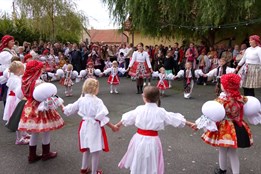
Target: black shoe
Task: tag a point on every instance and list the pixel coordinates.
(138, 90)
(219, 171)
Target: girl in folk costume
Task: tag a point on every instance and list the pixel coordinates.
(114, 79)
(90, 70)
(145, 154)
(68, 83)
(6, 54)
(92, 135)
(35, 121)
(140, 67)
(214, 61)
(216, 73)
(233, 132)
(163, 83)
(189, 75)
(13, 98)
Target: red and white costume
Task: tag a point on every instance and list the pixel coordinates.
(140, 65)
(145, 154)
(94, 113)
(33, 120)
(163, 83)
(114, 79)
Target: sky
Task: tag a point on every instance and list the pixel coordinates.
(95, 10)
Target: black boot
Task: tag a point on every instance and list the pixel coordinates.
(219, 171)
(138, 90)
(141, 89)
(47, 154)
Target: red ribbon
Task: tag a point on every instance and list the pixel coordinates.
(11, 93)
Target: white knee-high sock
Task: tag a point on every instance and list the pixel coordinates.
(115, 87)
(95, 161)
(111, 87)
(46, 138)
(85, 159)
(33, 139)
(234, 160)
(223, 158)
(18, 135)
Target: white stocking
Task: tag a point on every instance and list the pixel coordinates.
(33, 139)
(18, 135)
(234, 160)
(95, 161)
(85, 159)
(223, 158)
(111, 87)
(46, 138)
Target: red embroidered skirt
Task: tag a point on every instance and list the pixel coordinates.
(33, 120)
(229, 134)
(163, 85)
(139, 70)
(113, 80)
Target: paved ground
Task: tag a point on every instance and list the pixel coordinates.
(184, 152)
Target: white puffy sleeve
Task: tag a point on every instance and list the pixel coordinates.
(243, 60)
(133, 59)
(173, 119)
(102, 113)
(122, 70)
(230, 70)
(212, 73)
(198, 73)
(129, 118)
(180, 74)
(108, 70)
(72, 108)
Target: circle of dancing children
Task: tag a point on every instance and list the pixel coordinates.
(92, 135)
(113, 78)
(233, 132)
(35, 121)
(140, 67)
(145, 154)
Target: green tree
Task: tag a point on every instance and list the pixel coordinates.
(184, 18)
(57, 19)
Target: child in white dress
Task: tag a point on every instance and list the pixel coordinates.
(68, 83)
(145, 154)
(92, 135)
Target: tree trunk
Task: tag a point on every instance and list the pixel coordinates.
(211, 37)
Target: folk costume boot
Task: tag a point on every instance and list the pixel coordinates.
(46, 152)
(219, 171)
(138, 90)
(33, 157)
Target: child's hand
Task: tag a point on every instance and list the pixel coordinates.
(194, 126)
(115, 128)
(62, 107)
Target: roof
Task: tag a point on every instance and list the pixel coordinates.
(107, 36)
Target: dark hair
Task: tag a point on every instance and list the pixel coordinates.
(152, 94)
(141, 44)
(15, 58)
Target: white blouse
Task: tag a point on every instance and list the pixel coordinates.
(140, 57)
(89, 107)
(251, 56)
(152, 117)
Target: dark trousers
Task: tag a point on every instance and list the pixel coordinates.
(249, 92)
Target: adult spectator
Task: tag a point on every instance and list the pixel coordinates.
(251, 72)
(76, 58)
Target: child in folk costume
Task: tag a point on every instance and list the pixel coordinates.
(114, 79)
(233, 132)
(145, 154)
(90, 70)
(92, 135)
(35, 121)
(68, 83)
(218, 72)
(204, 65)
(214, 61)
(189, 75)
(13, 98)
(163, 83)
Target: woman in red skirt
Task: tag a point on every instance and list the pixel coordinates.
(35, 121)
(233, 132)
(140, 67)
